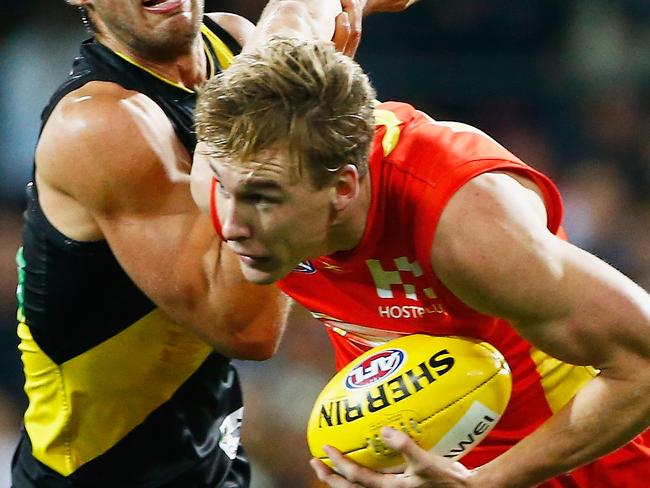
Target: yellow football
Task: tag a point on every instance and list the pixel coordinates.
(447, 393)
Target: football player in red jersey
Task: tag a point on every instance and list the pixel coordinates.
(383, 221)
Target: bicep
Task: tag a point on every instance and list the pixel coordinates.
(110, 151)
(493, 251)
(171, 252)
(166, 251)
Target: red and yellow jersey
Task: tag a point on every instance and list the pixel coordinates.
(385, 287)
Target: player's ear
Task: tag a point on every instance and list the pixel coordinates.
(346, 187)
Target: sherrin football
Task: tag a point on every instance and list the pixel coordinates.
(447, 393)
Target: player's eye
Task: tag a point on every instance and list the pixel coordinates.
(260, 199)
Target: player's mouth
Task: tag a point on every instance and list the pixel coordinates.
(259, 262)
(162, 6)
(255, 261)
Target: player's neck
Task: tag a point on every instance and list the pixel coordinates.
(188, 70)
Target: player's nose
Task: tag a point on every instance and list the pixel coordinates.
(233, 224)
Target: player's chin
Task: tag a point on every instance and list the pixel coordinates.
(261, 277)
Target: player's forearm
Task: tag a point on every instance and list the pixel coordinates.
(248, 321)
(211, 298)
(249, 327)
(603, 416)
(302, 19)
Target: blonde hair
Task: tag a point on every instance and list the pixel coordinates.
(300, 96)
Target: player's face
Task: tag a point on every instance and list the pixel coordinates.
(156, 29)
(272, 217)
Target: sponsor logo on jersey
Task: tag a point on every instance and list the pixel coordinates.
(305, 267)
(403, 278)
(408, 311)
(375, 369)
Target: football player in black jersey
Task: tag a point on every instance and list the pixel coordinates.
(129, 306)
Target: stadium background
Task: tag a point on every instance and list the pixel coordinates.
(564, 84)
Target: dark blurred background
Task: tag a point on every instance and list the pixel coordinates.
(564, 84)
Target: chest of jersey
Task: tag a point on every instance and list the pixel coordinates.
(383, 287)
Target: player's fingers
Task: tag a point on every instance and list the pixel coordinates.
(329, 477)
(354, 9)
(355, 474)
(341, 32)
(323, 473)
(417, 458)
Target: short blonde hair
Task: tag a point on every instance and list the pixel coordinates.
(301, 96)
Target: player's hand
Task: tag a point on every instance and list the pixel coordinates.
(423, 470)
(347, 32)
(372, 6)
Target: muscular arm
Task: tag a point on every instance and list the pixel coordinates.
(104, 151)
(336, 20)
(302, 19)
(240, 28)
(492, 250)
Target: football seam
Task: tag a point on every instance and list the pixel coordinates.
(427, 419)
(477, 387)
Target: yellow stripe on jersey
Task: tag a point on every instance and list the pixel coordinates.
(129, 59)
(81, 408)
(223, 52)
(393, 131)
(560, 381)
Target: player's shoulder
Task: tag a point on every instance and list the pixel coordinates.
(421, 125)
(102, 133)
(448, 143)
(99, 109)
(103, 114)
(240, 28)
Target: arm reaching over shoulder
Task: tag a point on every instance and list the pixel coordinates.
(96, 155)
(301, 19)
(336, 20)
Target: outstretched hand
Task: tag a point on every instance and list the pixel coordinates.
(347, 33)
(423, 469)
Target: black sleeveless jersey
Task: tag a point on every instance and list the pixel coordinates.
(119, 395)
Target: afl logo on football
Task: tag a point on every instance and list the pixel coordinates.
(375, 369)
